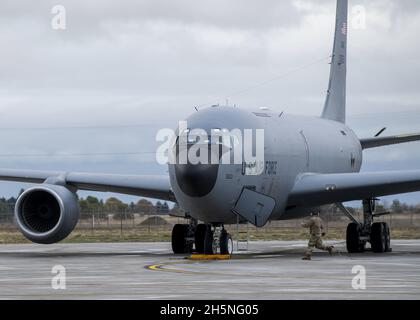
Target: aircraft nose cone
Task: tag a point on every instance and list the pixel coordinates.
(196, 180)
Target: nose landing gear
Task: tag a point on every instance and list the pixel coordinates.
(200, 236)
(217, 241)
(206, 238)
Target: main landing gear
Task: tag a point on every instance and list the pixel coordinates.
(201, 238)
(358, 234)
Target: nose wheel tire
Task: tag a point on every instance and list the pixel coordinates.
(223, 244)
(226, 243)
(208, 241)
(180, 243)
(199, 238)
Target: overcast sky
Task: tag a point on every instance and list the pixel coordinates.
(121, 70)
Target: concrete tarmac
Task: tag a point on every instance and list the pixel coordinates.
(268, 270)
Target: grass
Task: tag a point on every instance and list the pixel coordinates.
(10, 236)
(87, 236)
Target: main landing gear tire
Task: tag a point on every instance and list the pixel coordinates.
(180, 245)
(354, 244)
(388, 237)
(380, 238)
(200, 234)
(358, 234)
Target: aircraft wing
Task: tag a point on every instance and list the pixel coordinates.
(321, 189)
(385, 141)
(157, 187)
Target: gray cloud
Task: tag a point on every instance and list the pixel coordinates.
(148, 63)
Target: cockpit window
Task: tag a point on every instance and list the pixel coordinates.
(215, 143)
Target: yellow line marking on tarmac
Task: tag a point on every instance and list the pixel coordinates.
(161, 267)
(205, 259)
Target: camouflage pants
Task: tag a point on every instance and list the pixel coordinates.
(315, 242)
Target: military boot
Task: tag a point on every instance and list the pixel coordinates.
(330, 250)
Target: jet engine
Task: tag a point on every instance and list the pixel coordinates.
(47, 213)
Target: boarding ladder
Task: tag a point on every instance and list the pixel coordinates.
(242, 244)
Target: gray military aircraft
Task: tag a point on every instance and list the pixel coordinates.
(308, 162)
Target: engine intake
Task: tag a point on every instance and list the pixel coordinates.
(47, 213)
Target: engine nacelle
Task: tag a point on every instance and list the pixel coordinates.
(47, 213)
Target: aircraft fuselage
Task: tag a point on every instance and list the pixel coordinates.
(292, 145)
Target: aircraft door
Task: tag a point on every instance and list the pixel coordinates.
(255, 207)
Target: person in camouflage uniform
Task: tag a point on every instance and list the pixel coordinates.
(316, 231)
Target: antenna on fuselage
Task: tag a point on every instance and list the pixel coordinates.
(380, 132)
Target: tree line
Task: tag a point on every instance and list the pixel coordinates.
(119, 209)
(111, 206)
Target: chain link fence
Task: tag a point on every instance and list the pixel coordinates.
(149, 226)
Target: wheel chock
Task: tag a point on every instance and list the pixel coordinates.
(210, 257)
